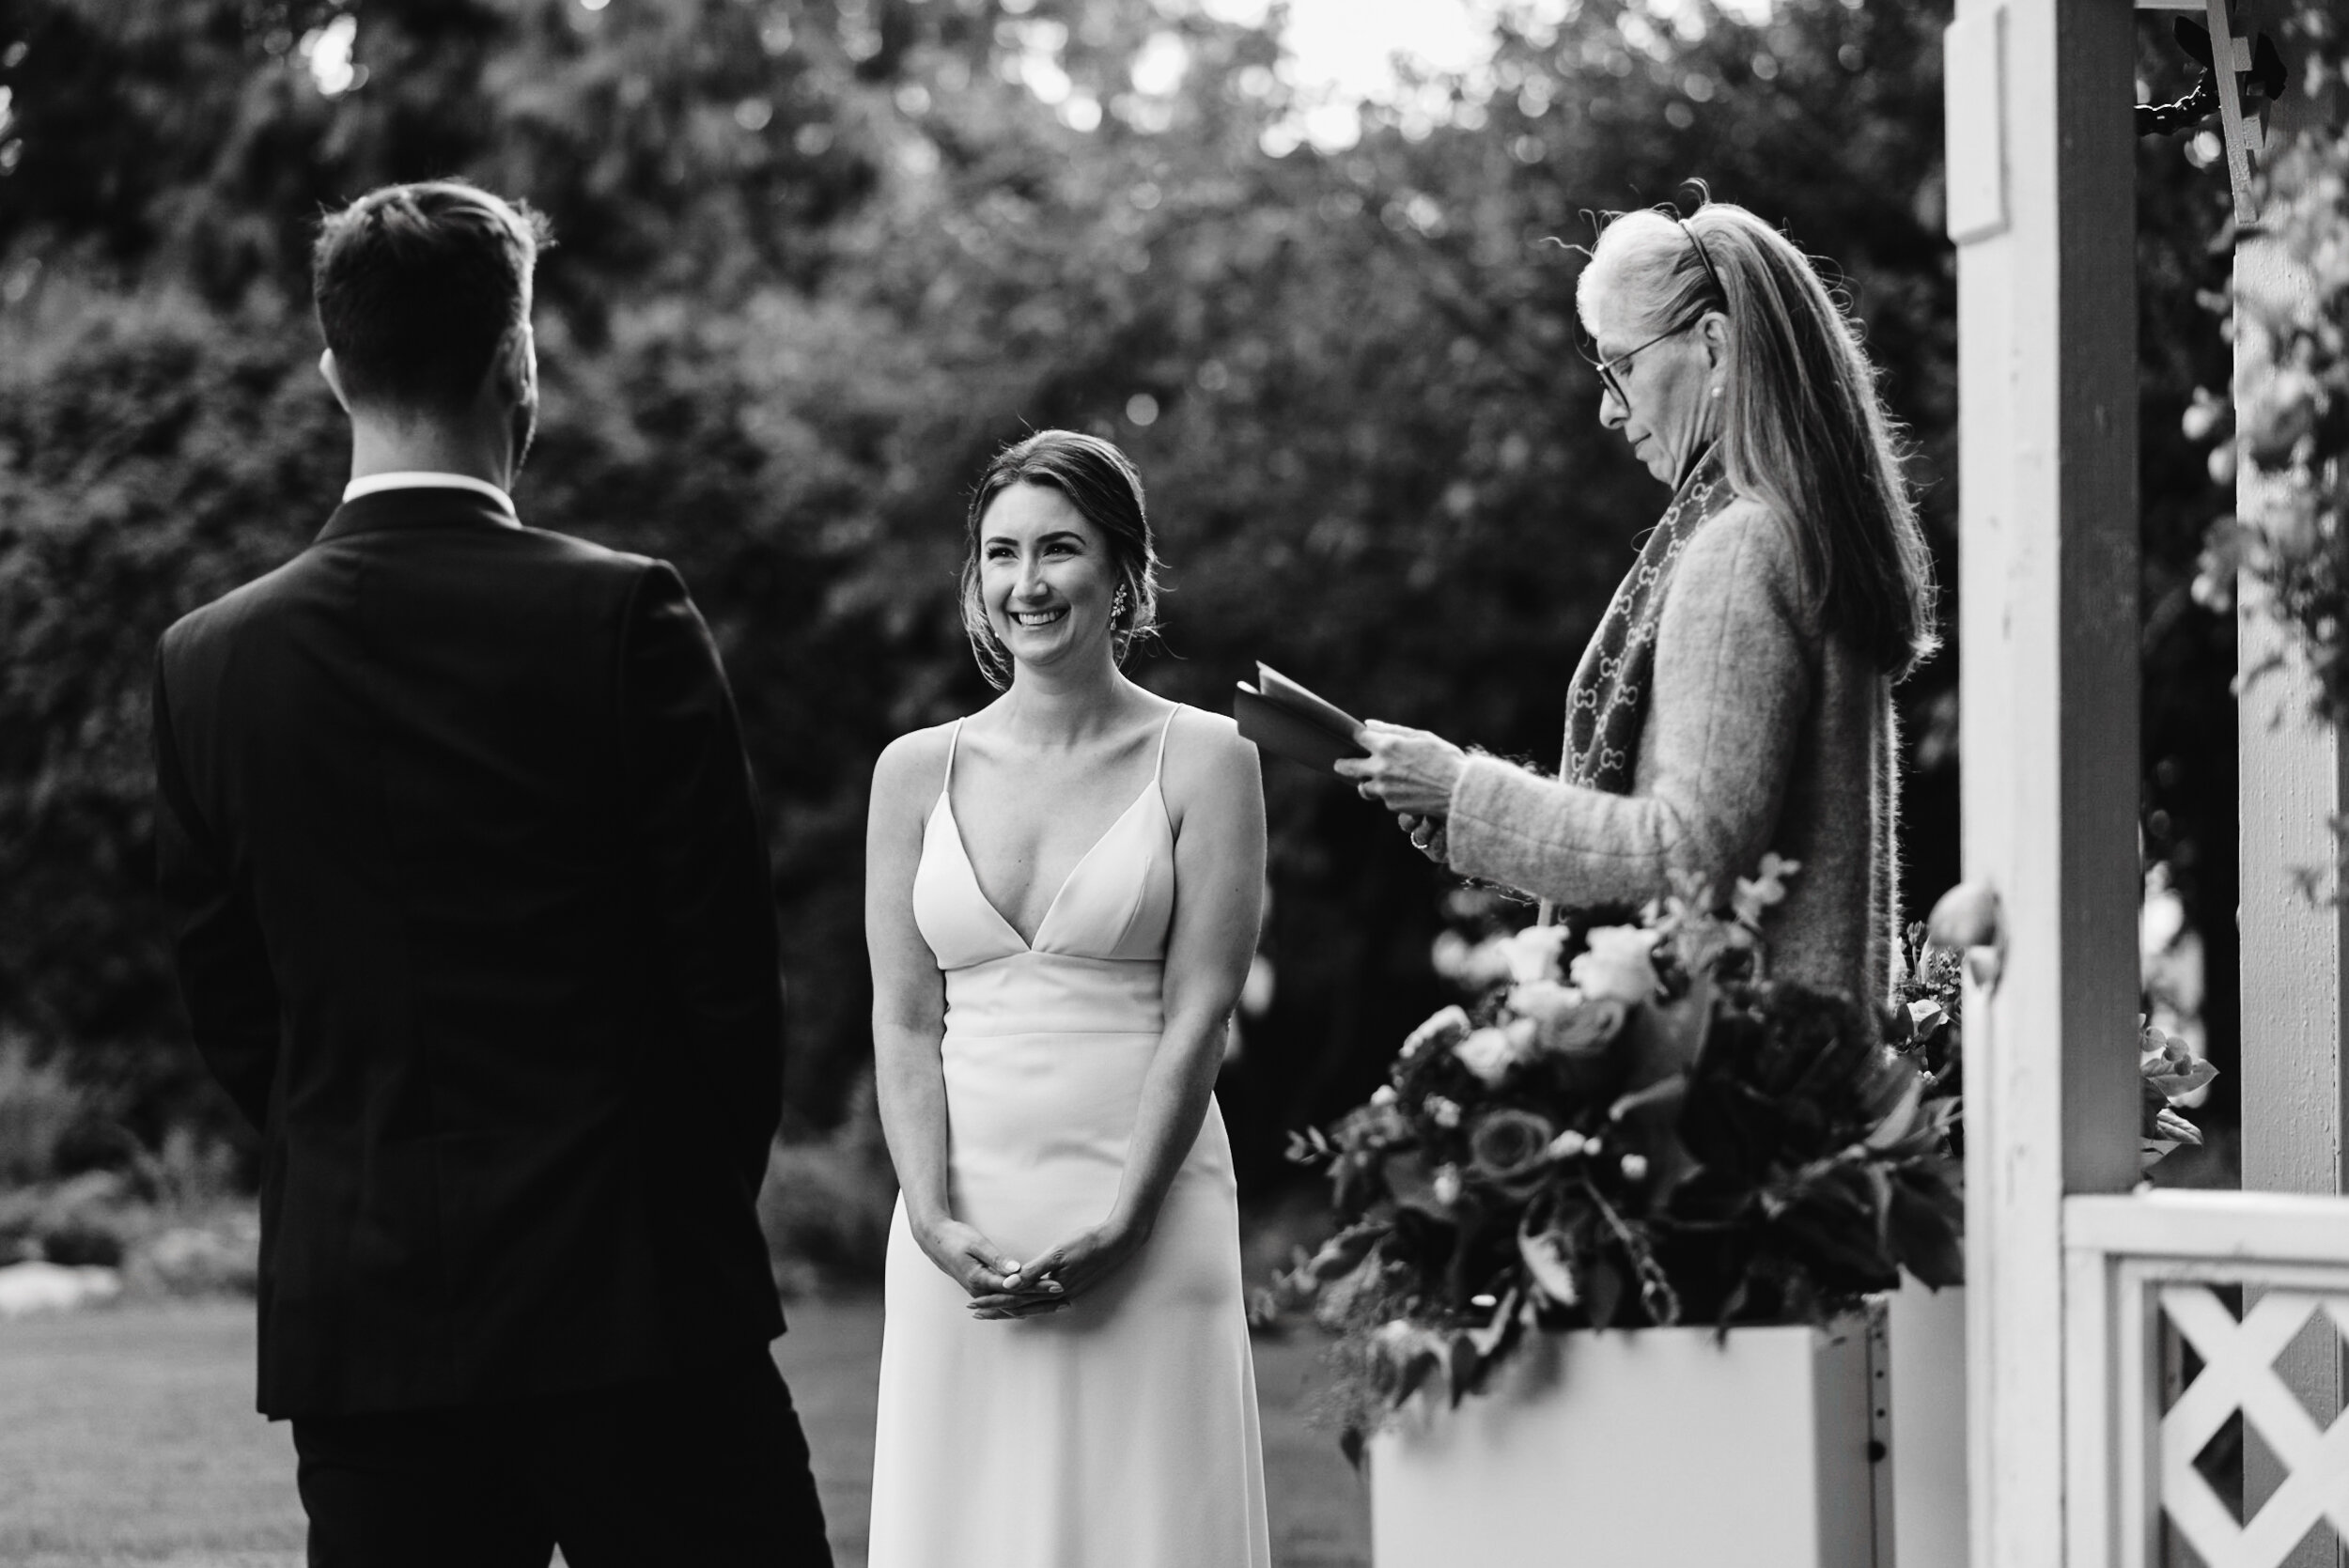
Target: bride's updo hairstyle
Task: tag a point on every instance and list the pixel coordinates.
(1101, 484)
(1803, 429)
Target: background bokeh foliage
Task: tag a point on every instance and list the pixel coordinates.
(818, 257)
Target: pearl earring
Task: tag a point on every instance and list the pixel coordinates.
(1716, 389)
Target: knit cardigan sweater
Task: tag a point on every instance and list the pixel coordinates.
(1762, 734)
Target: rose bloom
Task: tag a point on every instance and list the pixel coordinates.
(1447, 1028)
(1617, 965)
(1592, 1025)
(1489, 1053)
(1471, 965)
(1506, 1145)
(1532, 953)
(1564, 1019)
(1544, 1002)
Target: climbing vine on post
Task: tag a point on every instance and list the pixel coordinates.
(2290, 418)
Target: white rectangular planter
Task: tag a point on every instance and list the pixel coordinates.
(1926, 1330)
(1651, 1448)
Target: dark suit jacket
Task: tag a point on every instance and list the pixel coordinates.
(474, 922)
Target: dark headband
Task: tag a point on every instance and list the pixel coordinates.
(1703, 258)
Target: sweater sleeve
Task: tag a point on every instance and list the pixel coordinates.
(1732, 678)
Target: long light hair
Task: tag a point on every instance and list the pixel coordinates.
(1804, 429)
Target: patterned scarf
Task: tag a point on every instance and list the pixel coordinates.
(1607, 705)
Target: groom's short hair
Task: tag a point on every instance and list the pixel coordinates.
(416, 286)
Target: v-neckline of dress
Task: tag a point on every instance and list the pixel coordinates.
(947, 802)
(946, 799)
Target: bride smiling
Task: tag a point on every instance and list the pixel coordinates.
(1061, 899)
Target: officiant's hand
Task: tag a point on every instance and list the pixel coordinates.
(1427, 835)
(1408, 772)
(1058, 1276)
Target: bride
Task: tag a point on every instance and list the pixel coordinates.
(1062, 897)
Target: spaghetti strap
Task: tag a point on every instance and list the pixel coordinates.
(953, 739)
(1158, 774)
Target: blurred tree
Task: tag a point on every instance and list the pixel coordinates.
(817, 258)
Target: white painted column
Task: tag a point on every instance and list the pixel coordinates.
(2292, 783)
(2296, 1096)
(2043, 207)
(2291, 971)
(2295, 1102)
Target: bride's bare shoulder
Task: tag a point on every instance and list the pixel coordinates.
(1208, 762)
(912, 767)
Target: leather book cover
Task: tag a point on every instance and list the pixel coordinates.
(1286, 719)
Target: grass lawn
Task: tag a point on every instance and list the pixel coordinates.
(127, 1435)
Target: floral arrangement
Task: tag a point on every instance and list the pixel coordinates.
(1640, 1126)
(1633, 1124)
(1925, 1025)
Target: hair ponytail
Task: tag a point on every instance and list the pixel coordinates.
(1804, 429)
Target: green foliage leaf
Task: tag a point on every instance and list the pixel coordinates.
(1549, 1258)
(1928, 1225)
(1603, 1290)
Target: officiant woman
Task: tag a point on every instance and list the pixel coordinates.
(1736, 697)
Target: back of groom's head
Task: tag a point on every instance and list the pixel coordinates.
(418, 285)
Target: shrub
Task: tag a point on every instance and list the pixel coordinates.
(90, 1219)
(78, 1189)
(40, 1108)
(220, 1256)
(827, 1200)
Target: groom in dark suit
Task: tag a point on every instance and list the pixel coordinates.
(472, 919)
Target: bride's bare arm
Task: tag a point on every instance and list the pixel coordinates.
(1218, 785)
(1214, 785)
(909, 1014)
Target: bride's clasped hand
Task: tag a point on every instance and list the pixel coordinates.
(1063, 1275)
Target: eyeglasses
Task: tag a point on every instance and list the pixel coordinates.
(1611, 370)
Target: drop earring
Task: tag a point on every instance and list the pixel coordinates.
(1117, 605)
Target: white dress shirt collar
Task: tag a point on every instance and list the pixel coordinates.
(420, 479)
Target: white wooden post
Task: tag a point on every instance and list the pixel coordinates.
(2042, 205)
(2294, 1093)
(2292, 1084)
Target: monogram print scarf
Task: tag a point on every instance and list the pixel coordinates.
(1607, 706)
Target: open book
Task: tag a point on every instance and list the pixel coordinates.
(1284, 718)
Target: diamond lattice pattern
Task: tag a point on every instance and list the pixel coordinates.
(2239, 1372)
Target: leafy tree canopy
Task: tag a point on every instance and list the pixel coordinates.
(818, 258)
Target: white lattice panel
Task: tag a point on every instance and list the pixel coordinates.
(2239, 1373)
(2153, 1261)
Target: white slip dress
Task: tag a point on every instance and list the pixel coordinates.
(1119, 1432)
